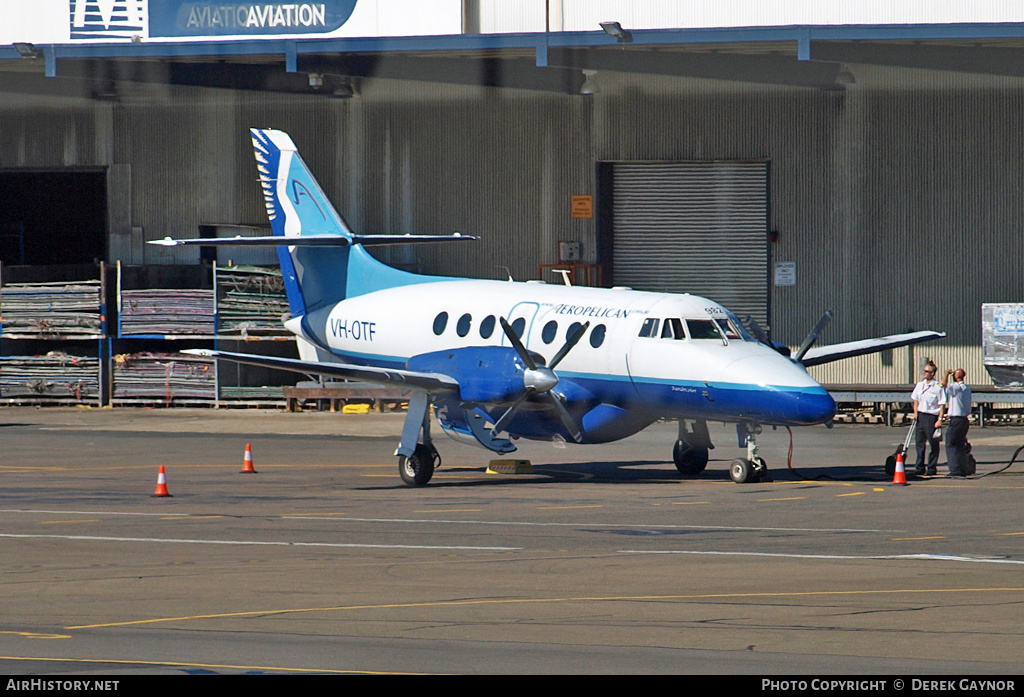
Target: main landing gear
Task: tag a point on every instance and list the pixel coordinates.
(690, 453)
(751, 468)
(418, 468)
(416, 459)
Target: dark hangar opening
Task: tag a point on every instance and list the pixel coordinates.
(52, 217)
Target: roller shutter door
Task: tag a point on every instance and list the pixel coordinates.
(693, 227)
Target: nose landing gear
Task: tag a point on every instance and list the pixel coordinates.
(752, 468)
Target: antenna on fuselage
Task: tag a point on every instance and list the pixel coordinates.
(565, 275)
(507, 271)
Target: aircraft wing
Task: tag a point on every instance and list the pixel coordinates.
(431, 382)
(835, 352)
(313, 240)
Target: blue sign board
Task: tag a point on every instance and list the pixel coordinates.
(121, 19)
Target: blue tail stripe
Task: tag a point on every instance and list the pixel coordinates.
(319, 277)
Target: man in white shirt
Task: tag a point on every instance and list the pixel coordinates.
(929, 401)
(958, 396)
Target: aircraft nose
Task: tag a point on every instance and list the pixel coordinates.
(815, 406)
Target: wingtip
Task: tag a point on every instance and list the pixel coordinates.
(165, 242)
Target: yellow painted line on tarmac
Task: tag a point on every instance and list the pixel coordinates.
(564, 508)
(854, 493)
(61, 522)
(564, 599)
(36, 635)
(450, 510)
(1010, 533)
(220, 666)
(689, 503)
(911, 539)
(788, 498)
(192, 517)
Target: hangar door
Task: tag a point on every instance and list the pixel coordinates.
(691, 227)
(53, 216)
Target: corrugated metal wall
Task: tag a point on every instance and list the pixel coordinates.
(693, 227)
(899, 200)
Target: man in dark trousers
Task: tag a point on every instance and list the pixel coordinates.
(929, 401)
(958, 405)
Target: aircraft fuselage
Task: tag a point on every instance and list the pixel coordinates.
(644, 356)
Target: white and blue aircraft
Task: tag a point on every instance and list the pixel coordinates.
(484, 353)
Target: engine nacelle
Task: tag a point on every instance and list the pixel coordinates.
(486, 374)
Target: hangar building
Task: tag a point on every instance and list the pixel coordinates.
(781, 157)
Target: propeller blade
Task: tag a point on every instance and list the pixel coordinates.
(813, 336)
(513, 339)
(570, 342)
(543, 379)
(503, 420)
(567, 420)
(756, 330)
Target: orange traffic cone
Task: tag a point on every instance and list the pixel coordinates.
(161, 484)
(247, 464)
(900, 476)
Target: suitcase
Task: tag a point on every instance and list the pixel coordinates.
(890, 462)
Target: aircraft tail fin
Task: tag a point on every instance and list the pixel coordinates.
(322, 260)
(297, 207)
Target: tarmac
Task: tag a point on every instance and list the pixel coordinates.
(602, 560)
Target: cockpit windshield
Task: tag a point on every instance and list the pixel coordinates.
(737, 327)
(726, 329)
(704, 329)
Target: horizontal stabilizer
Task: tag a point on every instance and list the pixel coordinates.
(835, 352)
(431, 382)
(314, 240)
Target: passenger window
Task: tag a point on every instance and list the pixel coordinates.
(703, 329)
(650, 327)
(573, 329)
(549, 331)
(440, 322)
(597, 335)
(519, 326)
(465, 322)
(673, 329)
(487, 327)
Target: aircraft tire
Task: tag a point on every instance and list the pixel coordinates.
(417, 469)
(689, 459)
(761, 471)
(742, 471)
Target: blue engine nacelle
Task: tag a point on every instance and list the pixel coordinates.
(486, 374)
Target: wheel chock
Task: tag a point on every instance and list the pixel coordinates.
(509, 467)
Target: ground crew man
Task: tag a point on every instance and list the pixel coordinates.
(929, 401)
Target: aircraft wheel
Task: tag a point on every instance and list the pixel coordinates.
(761, 471)
(417, 469)
(689, 459)
(742, 471)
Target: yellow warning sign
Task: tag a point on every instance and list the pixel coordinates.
(582, 206)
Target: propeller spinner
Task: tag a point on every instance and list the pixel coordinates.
(540, 379)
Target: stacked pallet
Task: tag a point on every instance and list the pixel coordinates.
(167, 313)
(51, 310)
(251, 302)
(164, 377)
(56, 375)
